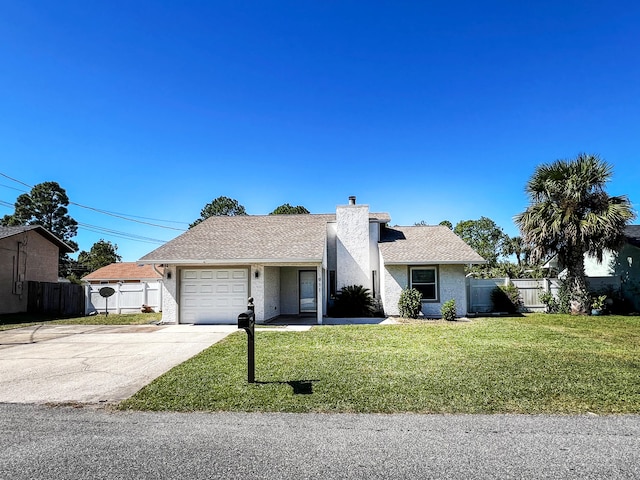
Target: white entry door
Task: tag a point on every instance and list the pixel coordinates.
(214, 295)
(308, 291)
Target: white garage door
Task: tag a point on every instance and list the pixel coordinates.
(216, 295)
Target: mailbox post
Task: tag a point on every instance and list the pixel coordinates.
(247, 321)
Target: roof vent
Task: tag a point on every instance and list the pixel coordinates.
(352, 200)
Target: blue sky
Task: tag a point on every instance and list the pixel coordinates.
(425, 110)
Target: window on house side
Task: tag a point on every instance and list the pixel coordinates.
(425, 280)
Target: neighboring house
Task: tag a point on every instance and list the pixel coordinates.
(619, 268)
(135, 285)
(294, 265)
(27, 253)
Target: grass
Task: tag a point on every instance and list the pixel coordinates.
(532, 364)
(20, 320)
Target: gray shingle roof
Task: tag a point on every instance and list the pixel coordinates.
(248, 238)
(632, 232)
(6, 232)
(425, 245)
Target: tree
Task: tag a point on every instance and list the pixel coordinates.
(571, 214)
(484, 236)
(516, 246)
(221, 206)
(286, 209)
(101, 254)
(446, 223)
(46, 205)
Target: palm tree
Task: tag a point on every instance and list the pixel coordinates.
(515, 246)
(570, 214)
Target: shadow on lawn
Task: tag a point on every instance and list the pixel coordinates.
(300, 387)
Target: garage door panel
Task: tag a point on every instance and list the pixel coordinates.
(213, 295)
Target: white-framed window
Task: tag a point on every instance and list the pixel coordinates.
(425, 280)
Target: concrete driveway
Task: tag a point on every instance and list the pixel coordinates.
(92, 363)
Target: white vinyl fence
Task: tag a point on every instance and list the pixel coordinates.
(128, 297)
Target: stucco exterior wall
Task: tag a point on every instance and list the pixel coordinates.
(451, 285)
(24, 257)
(257, 290)
(271, 292)
(352, 246)
(393, 279)
(331, 247)
(170, 295)
(42, 259)
(289, 296)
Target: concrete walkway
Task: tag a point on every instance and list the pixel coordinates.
(92, 363)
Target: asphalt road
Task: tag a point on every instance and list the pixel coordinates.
(88, 443)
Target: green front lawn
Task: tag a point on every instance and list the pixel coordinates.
(19, 320)
(532, 364)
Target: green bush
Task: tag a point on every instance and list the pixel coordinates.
(410, 303)
(559, 304)
(448, 310)
(354, 301)
(506, 298)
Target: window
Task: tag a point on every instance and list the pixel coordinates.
(425, 280)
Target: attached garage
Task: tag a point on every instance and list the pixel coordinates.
(214, 295)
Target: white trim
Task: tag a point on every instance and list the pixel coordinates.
(436, 281)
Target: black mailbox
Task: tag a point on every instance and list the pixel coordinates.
(246, 319)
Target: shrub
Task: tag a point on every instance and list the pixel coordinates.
(506, 299)
(561, 304)
(448, 310)
(354, 301)
(410, 303)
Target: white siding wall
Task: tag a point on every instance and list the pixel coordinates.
(451, 285)
(352, 245)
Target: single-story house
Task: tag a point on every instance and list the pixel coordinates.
(295, 264)
(27, 253)
(135, 286)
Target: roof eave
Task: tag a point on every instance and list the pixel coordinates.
(435, 262)
(226, 261)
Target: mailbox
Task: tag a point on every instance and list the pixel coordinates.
(246, 319)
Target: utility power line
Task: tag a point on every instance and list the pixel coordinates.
(123, 216)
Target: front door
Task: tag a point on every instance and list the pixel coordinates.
(308, 291)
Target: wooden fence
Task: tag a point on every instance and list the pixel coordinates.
(64, 299)
(479, 290)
